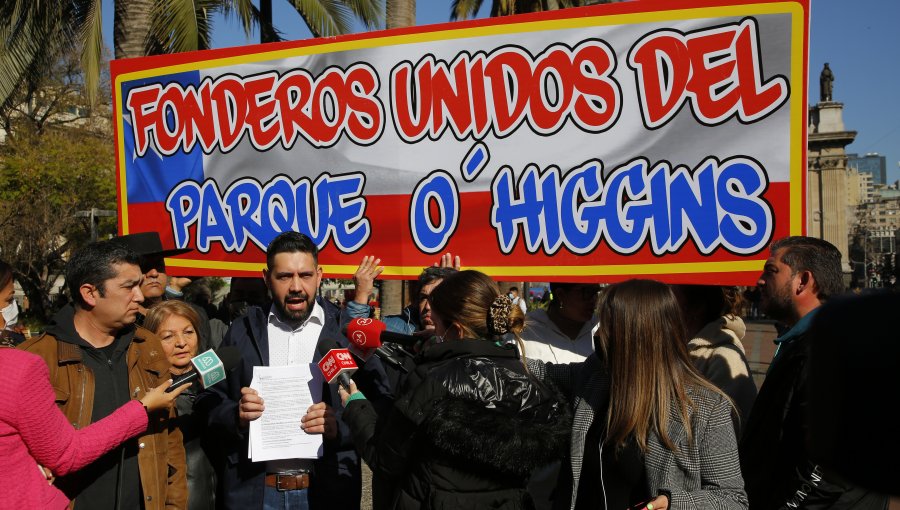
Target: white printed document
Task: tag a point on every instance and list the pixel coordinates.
(287, 393)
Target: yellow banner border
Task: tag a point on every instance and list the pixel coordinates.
(798, 83)
(561, 271)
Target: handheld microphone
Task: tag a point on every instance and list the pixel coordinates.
(366, 334)
(337, 365)
(378, 330)
(209, 368)
(407, 341)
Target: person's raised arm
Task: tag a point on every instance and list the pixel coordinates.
(176, 459)
(448, 260)
(383, 441)
(364, 279)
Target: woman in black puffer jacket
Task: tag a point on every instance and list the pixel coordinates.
(471, 423)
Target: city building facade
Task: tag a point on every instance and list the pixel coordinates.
(872, 163)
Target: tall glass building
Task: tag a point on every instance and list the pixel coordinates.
(872, 163)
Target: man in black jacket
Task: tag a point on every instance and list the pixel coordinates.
(799, 276)
(299, 328)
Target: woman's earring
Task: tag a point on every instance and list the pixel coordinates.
(560, 305)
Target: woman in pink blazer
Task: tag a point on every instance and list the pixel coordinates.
(34, 432)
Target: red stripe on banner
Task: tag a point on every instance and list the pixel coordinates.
(391, 240)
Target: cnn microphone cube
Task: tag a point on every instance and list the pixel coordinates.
(336, 362)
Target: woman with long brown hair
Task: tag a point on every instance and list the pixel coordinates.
(471, 423)
(649, 431)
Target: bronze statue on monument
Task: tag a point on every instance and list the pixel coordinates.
(826, 80)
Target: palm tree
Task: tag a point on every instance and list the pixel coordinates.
(184, 25)
(33, 32)
(326, 18)
(465, 9)
(400, 13)
(31, 35)
(131, 27)
(181, 25)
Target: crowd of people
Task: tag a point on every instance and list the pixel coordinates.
(637, 395)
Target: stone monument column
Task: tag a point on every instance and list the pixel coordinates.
(827, 175)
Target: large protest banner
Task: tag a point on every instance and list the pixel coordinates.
(651, 139)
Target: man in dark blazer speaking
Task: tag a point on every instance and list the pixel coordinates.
(299, 328)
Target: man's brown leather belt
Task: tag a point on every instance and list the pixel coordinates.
(288, 481)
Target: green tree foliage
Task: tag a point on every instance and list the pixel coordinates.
(31, 35)
(35, 32)
(55, 99)
(465, 9)
(44, 180)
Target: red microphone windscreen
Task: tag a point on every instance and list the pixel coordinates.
(335, 362)
(366, 333)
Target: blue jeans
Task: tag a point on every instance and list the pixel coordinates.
(285, 500)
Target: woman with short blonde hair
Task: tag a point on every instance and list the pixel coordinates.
(181, 343)
(176, 323)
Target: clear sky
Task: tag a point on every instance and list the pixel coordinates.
(859, 39)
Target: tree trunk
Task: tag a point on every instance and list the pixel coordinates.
(131, 27)
(39, 305)
(391, 299)
(266, 29)
(400, 13)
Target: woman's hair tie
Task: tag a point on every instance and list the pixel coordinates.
(498, 318)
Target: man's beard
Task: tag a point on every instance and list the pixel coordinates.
(295, 315)
(777, 304)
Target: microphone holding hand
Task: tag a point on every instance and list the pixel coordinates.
(337, 366)
(209, 368)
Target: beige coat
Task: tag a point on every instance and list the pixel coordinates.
(718, 354)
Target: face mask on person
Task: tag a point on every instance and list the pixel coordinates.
(11, 314)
